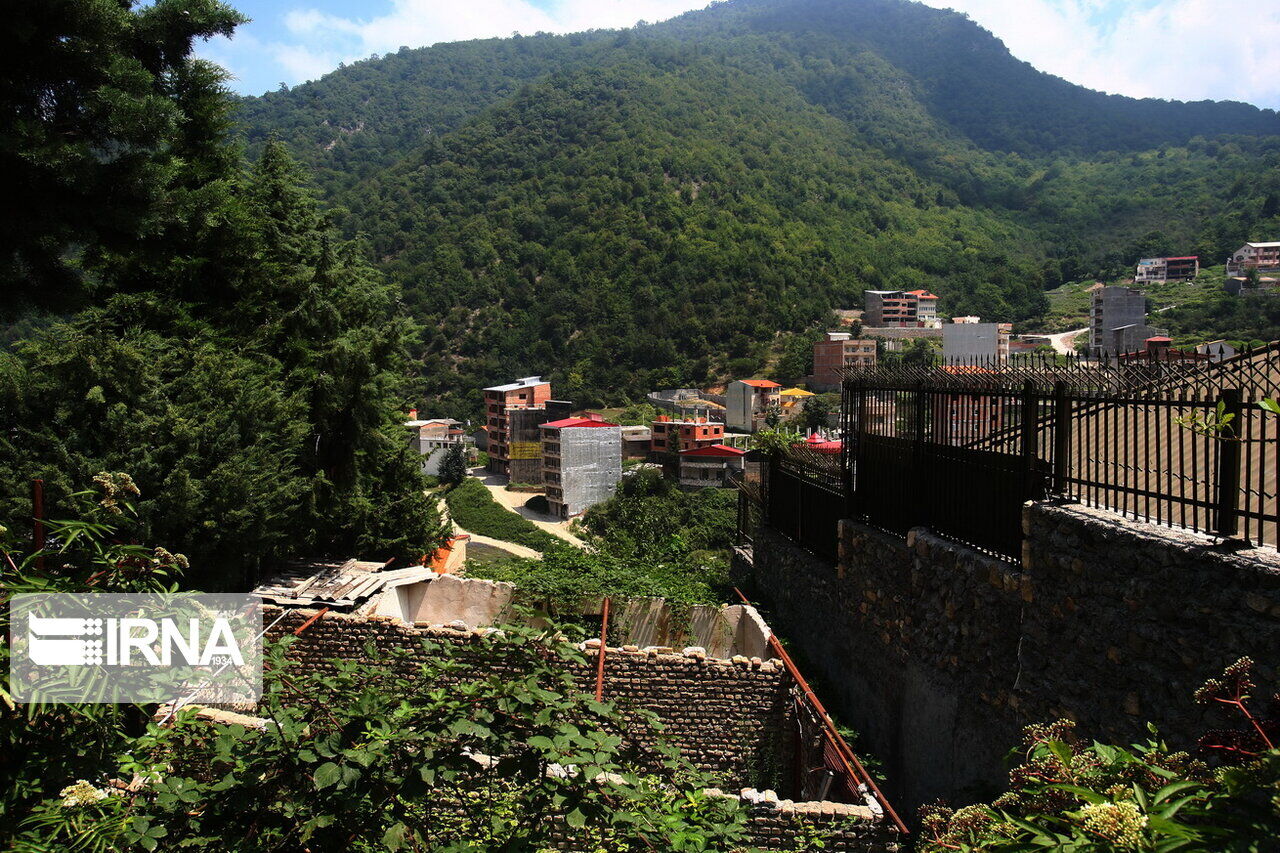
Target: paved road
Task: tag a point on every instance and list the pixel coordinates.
(515, 501)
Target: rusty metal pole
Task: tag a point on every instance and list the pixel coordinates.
(847, 756)
(37, 515)
(604, 631)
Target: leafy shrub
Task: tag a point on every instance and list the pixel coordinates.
(1070, 795)
(474, 509)
(368, 758)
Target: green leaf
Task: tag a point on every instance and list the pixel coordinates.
(327, 774)
(576, 819)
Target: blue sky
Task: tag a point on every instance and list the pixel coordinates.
(1181, 49)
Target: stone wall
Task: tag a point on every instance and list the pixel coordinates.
(938, 655)
(726, 716)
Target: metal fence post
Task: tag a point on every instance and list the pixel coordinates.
(1227, 517)
(1061, 437)
(1029, 437)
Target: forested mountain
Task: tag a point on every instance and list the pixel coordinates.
(625, 209)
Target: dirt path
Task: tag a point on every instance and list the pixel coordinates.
(1063, 343)
(501, 544)
(515, 502)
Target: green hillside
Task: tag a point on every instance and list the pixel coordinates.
(628, 209)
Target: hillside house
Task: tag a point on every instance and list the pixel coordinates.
(581, 463)
(1263, 257)
(670, 434)
(432, 437)
(900, 308)
(747, 401)
(712, 466)
(967, 341)
(837, 352)
(1160, 270)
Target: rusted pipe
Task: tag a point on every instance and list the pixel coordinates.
(847, 755)
(305, 625)
(604, 631)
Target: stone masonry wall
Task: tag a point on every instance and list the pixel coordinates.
(938, 655)
(726, 717)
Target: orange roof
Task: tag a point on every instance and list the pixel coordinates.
(921, 294)
(760, 383)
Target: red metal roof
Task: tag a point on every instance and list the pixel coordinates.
(922, 294)
(1187, 258)
(577, 422)
(760, 383)
(715, 450)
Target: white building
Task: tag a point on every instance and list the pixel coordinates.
(747, 401)
(433, 437)
(1263, 257)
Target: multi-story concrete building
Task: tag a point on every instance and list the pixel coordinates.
(900, 308)
(711, 466)
(581, 463)
(434, 436)
(966, 342)
(1263, 257)
(1118, 321)
(527, 393)
(668, 434)
(747, 401)
(837, 352)
(1160, 270)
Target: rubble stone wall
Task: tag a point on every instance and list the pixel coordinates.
(939, 655)
(727, 717)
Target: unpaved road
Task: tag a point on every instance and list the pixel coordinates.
(515, 501)
(1063, 343)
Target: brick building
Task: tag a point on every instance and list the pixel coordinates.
(687, 433)
(527, 393)
(839, 351)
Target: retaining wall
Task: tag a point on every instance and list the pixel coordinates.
(938, 655)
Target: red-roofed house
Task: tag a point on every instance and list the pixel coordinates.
(581, 463)
(711, 466)
(747, 401)
(1159, 270)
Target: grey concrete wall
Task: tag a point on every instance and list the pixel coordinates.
(939, 655)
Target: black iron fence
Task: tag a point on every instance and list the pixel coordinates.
(959, 449)
(805, 498)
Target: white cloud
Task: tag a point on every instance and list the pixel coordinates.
(1179, 49)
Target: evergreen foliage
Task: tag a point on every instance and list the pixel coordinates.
(235, 355)
(453, 467)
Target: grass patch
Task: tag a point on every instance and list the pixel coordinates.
(474, 509)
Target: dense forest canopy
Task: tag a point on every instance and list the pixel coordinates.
(629, 209)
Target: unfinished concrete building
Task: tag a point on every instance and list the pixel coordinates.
(581, 463)
(529, 392)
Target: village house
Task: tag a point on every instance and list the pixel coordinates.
(581, 463)
(837, 352)
(712, 466)
(670, 434)
(1160, 270)
(433, 437)
(747, 401)
(1263, 257)
(966, 340)
(900, 308)
(531, 392)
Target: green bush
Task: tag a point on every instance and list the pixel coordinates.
(474, 509)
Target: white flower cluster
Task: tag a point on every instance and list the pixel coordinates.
(1120, 823)
(82, 794)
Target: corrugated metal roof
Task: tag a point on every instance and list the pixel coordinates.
(525, 382)
(715, 450)
(760, 383)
